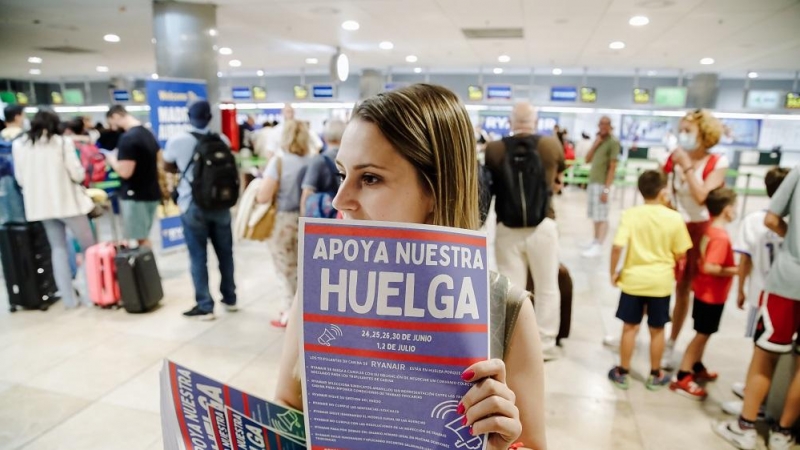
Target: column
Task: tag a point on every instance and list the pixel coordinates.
(185, 45)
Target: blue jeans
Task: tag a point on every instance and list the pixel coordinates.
(199, 227)
(56, 230)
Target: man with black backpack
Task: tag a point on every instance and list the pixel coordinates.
(523, 169)
(208, 188)
(321, 180)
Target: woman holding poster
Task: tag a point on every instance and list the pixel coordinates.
(409, 156)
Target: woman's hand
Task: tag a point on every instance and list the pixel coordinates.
(681, 158)
(489, 406)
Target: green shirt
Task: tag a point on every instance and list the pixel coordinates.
(606, 152)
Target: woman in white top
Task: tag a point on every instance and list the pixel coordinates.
(281, 182)
(695, 172)
(49, 172)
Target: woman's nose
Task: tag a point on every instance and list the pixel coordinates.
(345, 198)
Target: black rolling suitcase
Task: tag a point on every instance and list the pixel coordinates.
(138, 278)
(27, 266)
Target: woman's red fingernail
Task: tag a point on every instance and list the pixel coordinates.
(464, 421)
(461, 408)
(466, 376)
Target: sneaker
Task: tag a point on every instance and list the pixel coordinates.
(593, 251)
(734, 408)
(705, 376)
(668, 359)
(731, 432)
(281, 321)
(688, 388)
(780, 441)
(552, 353)
(655, 383)
(612, 342)
(738, 389)
(619, 380)
(199, 314)
(230, 307)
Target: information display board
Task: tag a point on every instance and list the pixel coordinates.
(670, 96)
(641, 96)
(588, 94)
(563, 94)
(241, 93)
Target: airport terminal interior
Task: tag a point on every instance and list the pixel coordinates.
(646, 79)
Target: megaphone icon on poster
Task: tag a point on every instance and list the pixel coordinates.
(330, 334)
(289, 420)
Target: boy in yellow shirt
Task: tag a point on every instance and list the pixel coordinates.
(655, 237)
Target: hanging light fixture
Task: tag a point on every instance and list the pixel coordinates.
(340, 66)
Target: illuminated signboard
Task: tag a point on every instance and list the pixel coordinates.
(138, 96)
(588, 94)
(259, 93)
(641, 96)
(300, 92)
(793, 100)
(563, 94)
(121, 95)
(757, 99)
(56, 98)
(241, 93)
(670, 96)
(498, 92)
(322, 91)
(475, 93)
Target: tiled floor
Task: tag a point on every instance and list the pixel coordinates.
(88, 378)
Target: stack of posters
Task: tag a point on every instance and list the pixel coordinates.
(392, 315)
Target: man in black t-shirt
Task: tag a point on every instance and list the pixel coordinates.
(136, 163)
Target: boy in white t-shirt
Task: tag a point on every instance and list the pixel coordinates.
(757, 246)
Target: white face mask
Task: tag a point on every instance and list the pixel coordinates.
(687, 141)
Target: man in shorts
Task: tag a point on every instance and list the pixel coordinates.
(603, 157)
(777, 328)
(136, 163)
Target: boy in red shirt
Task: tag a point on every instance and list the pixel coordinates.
(711, 287)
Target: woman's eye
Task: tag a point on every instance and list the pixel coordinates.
(369, 179)
(340, 176)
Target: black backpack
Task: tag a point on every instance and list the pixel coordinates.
(216, 178)
(522, 195)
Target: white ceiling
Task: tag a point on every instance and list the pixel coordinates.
(278, 35)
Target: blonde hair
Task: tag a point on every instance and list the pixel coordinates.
(295, 137)
(431, 129)
(709, 128)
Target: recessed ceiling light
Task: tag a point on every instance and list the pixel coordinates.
(707, 61)
(417, 69)
(35, 60)
(219, 74)
(311, 60)
(386, 45)
(639, 21)
(411, 58)
(557, 71)
(504, 58)
(651, 73)
(497, 71)
(616, 45)
(153, 40)
(225, 51)
(350, 25)
(35, 72)
(111, 38)
(752, 75)
(102, 68)
(260, 73)
(154, 76)
(234, 63)
(212, 32)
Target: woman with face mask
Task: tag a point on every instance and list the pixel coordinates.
(695, 171)
(409, 156)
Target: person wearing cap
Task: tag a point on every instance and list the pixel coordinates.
(199, 225)
(136, 163)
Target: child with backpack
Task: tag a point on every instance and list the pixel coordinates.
(655, 238)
